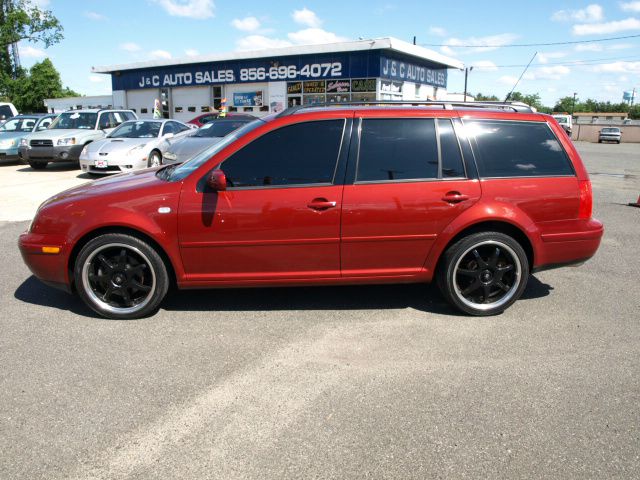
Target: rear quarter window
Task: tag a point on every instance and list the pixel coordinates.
(517, 149)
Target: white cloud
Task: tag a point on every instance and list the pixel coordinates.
(483, 44)
(438, 31)
(130, 47)
(607, 28)
(98, 78)
(589, 47)
(591, 13)
(260, 42)
(94, 16)
(160, 54)
(448, 50)
(555, 72)
(247, 24)
(198, 9)
(508, 80)
(313, 36)
(41, 3)
(485, 65)
(618, 67)
(28, 51)
(630, 6)
(544, 57)
(306, 17)
(621, 46)
(191, 52)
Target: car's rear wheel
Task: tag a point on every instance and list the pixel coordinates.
(155, 159)
(38, 164)
(120, 276)
(483, 273)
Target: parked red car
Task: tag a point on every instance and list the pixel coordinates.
(475, 198)
(208, 117)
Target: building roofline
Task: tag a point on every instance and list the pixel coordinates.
(385, 43)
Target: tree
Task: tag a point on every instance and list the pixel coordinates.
(43, 81)
(485, 98)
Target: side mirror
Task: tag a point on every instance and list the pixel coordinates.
(217, 181)
(168, 135)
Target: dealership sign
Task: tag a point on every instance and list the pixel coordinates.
(320, 67)
(247, 99)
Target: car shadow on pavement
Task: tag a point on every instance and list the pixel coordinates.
(425, 298)
(56, 167)
(35, 292)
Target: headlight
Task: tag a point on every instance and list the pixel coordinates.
(170, 156)
(7, 143)
(24, 142)
(136, 149)
(67, 141)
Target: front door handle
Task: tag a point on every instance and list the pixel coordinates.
(321, 204)
(455, 197)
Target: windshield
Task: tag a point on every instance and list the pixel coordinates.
(182, 171)
(610, 130)
(137, 129)
(71, 120)
(220, 128)
(561, 119)
(18, 125)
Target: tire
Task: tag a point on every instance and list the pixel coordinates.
(155, 159)
(120, 276)
(38, 165)
(599, 141)
(481, 266)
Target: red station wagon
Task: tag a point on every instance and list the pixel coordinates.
(474, 196)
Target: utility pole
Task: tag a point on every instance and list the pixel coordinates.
(633, 96)
(466, 75)
(573, 104)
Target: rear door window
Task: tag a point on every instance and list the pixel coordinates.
(301, 154)
(517, 149)
(397, 149)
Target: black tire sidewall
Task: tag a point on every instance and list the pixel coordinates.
(445, 275)
(157, 264)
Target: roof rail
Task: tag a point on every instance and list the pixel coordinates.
(518, 107)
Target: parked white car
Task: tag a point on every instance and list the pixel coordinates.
(133, 145)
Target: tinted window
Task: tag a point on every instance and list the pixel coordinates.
(397, 149)
(5, 111)
(304, 153)
(452, 165)
(219, 128)
(517, 149)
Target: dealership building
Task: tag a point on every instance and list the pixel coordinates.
(265, 81)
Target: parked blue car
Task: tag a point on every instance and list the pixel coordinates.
(13, 130)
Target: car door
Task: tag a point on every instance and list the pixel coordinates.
(407, 180)
(280, 215)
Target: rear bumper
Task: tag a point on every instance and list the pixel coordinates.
(563, 246)
(48, 267)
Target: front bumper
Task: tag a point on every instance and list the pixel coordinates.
(9, 155)
(114, 164)
(65, 153)
(609, 138)
(51, 268)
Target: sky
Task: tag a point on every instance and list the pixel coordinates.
(108, 32)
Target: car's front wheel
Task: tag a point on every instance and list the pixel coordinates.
(483, 273)
(120, 276)
(155, 159)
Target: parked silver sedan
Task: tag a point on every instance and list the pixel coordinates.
(135, 144)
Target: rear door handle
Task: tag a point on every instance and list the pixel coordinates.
(321, 204)
(455, 197)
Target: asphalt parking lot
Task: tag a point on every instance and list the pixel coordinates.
(350, 382)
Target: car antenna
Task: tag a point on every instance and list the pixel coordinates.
(521, 75)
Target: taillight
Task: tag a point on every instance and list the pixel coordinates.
(586, 200)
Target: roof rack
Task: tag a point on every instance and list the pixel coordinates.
(517, 107)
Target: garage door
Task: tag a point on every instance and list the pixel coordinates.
(188, 102)
(141, 101)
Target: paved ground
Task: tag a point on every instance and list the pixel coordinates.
(377, 382)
